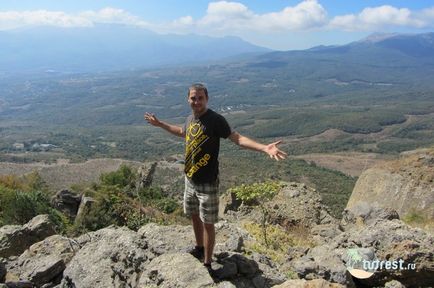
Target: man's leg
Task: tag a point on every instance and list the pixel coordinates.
(209, 240)
(198, 229)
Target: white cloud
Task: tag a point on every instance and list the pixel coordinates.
(306, 15)
(234, 16)
(15, 19)
(112, 15)
(374, 18)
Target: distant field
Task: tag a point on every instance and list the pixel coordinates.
(63, 175)
(349, 163)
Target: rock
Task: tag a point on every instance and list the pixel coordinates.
(377, 228)
(44, 261)
(66, 202)
(228, 202)
(405, 185)
(323, 262)
(145, 175)
(297, 204)
(85, 205)
(167, 239)
(393, 284)
(110, 257)
(15, 239)
(176, 238)
(19, 284)
(225, 284)
(323, 233)
(302, 283)
(175, 270)
(366, 213)
(230, 237)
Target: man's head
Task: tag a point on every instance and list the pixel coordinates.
(198, 98)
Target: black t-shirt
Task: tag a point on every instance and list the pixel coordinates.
(202, 145)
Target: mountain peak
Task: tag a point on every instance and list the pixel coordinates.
(378, 37)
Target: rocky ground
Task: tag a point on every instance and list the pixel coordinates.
(33, 255)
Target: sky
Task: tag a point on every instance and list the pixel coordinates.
(275, 24)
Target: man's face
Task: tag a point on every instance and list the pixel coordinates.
(198, 101)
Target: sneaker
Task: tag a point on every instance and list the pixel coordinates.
(197, 252)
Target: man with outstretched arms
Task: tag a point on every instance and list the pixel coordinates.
(202, 132)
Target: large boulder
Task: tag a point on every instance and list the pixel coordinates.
(176, 238)
(405, 185)
(295, 204)
(175, 270)
(323, 262)
(15, 239)
(44, 261)
(370, 226)
(110, 257)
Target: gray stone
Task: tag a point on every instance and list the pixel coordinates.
(175, 270)
(67, 202)
(85, 205)
(44, 261)
(323, 262)
(15, 239)
(394, 284)
(302, 283)
(19, 284)
(226, 284)
(108, 257)
(367, 213)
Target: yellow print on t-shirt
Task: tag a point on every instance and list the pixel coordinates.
(194, 138)
(202, 162)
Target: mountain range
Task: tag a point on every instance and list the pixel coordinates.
(109, 47)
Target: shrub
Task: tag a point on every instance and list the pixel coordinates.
(258, 193)
(122, 177)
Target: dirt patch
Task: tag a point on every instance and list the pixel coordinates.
(351, 163)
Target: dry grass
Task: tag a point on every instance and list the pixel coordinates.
(62, 175)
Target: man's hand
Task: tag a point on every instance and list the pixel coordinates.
(152, 119)
(274, 152)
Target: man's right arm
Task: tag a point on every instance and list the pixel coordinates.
(173, 129)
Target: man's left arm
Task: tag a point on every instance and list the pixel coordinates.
(270, 149)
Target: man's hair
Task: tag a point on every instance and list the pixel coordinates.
(198, 87)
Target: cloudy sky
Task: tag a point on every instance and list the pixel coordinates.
(276, 24)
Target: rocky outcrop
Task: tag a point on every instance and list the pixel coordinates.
(44, 261)
(295, 204)
(405, 185)
(146, 174)
(67, 202)
(188, 273)
(15, 239)
(380, 230)
(155, 255)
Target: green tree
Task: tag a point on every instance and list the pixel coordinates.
(259, 194)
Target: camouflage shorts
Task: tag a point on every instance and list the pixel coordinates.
(202, 199)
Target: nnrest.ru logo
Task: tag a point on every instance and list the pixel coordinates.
(362, 263)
